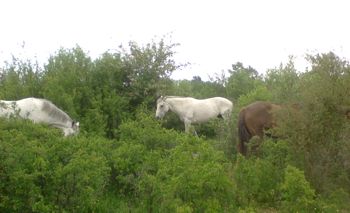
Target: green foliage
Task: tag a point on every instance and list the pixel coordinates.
(283, 83)
(43, 172)
(317, 131)
(336, 201)
(168, 171)
(260, 93)
(147, 131)
(107, 105)
(269, 181)
(198, 89)
(277, 153)
(256, 182)
(241, 81)
(65, 79)
(194, 177)
(149, 69)
(298, 196)
(127, 161)
(20, 79)
(109, 75)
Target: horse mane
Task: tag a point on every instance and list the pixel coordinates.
(174, 96)
(169, 96)
(54, 111)
(243, 133)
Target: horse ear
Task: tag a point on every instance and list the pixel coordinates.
(75, 123)
(159, 97)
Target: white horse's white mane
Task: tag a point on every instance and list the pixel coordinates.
(163, 98)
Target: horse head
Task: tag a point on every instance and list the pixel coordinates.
(162, 107)
(75, 126)
(73, 130)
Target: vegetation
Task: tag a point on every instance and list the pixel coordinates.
(126, 161)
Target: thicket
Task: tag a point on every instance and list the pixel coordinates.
(126, 161)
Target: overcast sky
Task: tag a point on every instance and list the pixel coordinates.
(213, 35)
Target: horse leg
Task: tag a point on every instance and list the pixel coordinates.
(256, 140)
(188, 128)
(226, 115)
(194, 132)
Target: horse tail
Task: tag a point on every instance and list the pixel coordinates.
(243, 133)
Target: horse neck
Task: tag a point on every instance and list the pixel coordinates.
(6, 103)
(63, 124)
(172, 102)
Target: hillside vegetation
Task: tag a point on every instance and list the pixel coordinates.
(124, 160)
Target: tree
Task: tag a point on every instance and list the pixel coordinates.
(20, 79)
(109, 100)
(283, 82)
(66, 78)
(241, 80)
(149, 69)
(319, 137)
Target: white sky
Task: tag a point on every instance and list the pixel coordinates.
(213, 35)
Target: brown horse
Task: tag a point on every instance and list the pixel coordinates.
(253, 120)
(260, 116)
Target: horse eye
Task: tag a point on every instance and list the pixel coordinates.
(162, 106)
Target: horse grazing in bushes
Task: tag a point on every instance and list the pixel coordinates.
(191, 110)
(253, 120)
(256, 118)
(39, 111)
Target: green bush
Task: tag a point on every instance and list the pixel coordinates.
(260, 93)
(43, 172)
(147, 131)
(194, 177)
(256, 182)
(169, 171)
(337, 201)
(127, 162)
(297, 194)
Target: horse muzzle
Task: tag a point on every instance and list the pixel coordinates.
(158, 117)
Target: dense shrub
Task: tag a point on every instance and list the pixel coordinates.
(43, 172)
(194, 177)
(297, 194)
(256, 182)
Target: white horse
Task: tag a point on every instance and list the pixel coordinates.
(191, 110)
(39, 111)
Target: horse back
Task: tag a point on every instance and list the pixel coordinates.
(223, 104)
(41, 110)
(260, 116)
